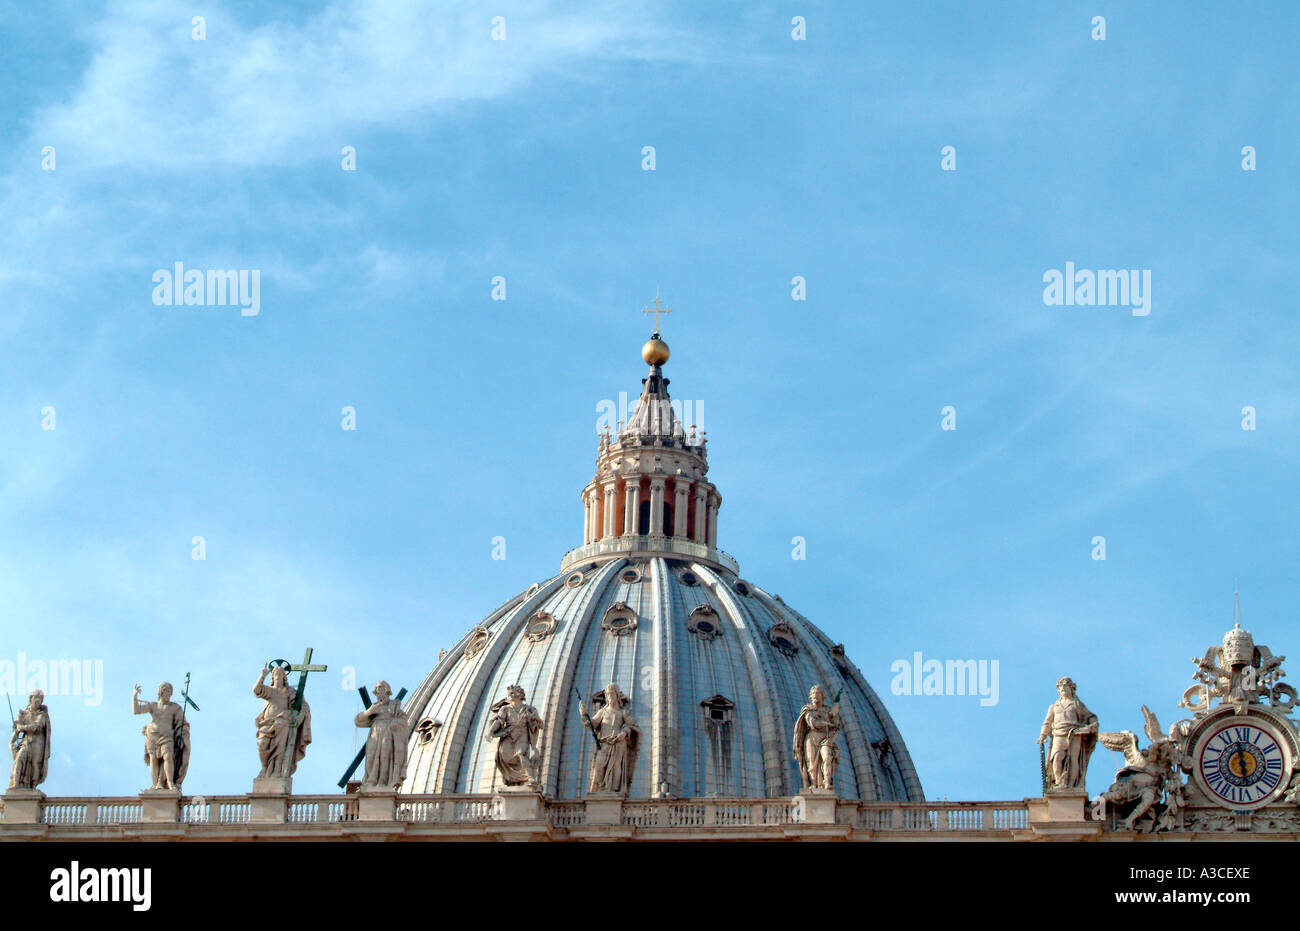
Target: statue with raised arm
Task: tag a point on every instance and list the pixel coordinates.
(1072, 729)
(166, 738)
(618, 741)
(815, 733)
(517, 728)
(30, 744)
(386, 742)
(273, 724)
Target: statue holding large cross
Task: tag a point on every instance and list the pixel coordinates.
(284, 724)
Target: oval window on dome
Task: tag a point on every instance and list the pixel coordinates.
(781, 635)
(427, 728)
(619, 619)
(704, 623)
(574, 580)
(630, 575)
(540, 626)
(689, 578)
(478, 639)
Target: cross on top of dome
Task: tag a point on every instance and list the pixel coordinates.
(656, 310)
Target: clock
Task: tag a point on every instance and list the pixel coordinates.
(1243, 762)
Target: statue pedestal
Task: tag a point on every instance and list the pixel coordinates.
(269, 800)
(160, 806)
(815, 806)
(604, 808)
(376, 803)
(23, 806)
(518, 803)
(1062, 813)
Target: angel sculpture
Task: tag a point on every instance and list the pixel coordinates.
(1148, 777)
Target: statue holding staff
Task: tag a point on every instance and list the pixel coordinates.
(166, 738)
(30, 743)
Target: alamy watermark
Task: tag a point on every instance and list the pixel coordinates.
(77, 677)
(920, 676)
(1105, 287)
(179, 287)
(613, 416)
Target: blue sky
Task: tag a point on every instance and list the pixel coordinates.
(476, 418)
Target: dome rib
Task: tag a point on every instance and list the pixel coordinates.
(763, 681)
(472, 695)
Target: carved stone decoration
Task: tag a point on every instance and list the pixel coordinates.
(815, 733)
(1238, 670)
(1147, 793)
(478, 639)
(540, 626)
(1211, 820)
(426, 728)
(574, 580)
(617, 738)
(704, 623)
(30, 743)
(386, 742)
(630, 575)
(619, 619)
(1072, 729)
(782, 636)
(166, 738)
(273, 724)
(517, 728)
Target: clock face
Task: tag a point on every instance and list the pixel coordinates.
(1243, 764)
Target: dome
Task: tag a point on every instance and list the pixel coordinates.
(715, 669)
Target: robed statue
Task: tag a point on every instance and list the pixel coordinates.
(30, 744)
(618, 741)
(386, 742)
(517, 728)
(166, 738)
(273, 724)
(815, 733)
(1072, 729)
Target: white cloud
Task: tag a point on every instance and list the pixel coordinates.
(282, 93)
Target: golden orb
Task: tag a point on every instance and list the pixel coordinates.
(655, 351)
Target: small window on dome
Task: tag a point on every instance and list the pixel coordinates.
(689, 578)
(619, 619)
(704, 623)
(630, 575)
(426, 729)
(741, 588)
(781, 635)
(540, 626)
(718, 709)
(574, 580)
(478, 639)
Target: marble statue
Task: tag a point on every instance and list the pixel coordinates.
(30, 744)
(1073, 732)
(618, 740)
(815, 732)
(1148, 778)
(516, 727)
(386, 743)
(166, 738)
(273, 723)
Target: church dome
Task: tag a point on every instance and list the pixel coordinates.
(715, 669)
